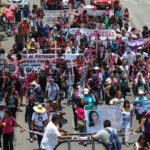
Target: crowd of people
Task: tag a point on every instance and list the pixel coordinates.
(103, 76)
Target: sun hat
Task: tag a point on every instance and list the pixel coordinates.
(96, 68)
(86, 91)
(141, 92)
(39, 109)
(140, 48)
(2, 103)
(148, 113)
(24, 50)
(34, 83)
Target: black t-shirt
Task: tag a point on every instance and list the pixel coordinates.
(11, 101)
(42, 82)
(145, 34)
(33, 35)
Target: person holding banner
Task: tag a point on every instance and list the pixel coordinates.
(146, 124)
(138, 105)
(88, 98)
(127, 113)
(8, 122)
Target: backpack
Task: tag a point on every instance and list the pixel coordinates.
(114, 141)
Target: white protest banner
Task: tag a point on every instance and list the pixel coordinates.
(96, 115)
(33, 62)
(49, 16)
(72, 56)
(125, 120)
(78, 33)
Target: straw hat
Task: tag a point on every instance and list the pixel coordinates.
(39, 109)
(34, 83)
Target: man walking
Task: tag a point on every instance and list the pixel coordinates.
(52, 134)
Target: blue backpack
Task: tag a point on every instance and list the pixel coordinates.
(114, 143)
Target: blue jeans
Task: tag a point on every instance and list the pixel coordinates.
(77, 4)
(69, 89)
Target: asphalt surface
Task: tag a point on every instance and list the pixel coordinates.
(139, 12)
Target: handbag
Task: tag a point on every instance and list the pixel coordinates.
(81, 123)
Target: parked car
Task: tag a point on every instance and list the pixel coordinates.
(20, 3)
(103, 3)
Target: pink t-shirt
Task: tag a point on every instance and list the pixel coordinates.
(80, 113)
(9, 124)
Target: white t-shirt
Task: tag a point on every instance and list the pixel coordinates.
(129, 56)
(39, 119)
(50, 137)
(104, 135)
(109, 80)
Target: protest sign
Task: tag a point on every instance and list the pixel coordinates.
(138, 107)
(96, 115)
(33, 62)
(95, 13)
(78, 33)
(146, 105)
(125, 120)
(138, 43)
(50, 16)
(118, 103)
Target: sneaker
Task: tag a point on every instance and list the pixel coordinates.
(31, 140)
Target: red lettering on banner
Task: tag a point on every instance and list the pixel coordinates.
(113, 34)
(36, 56)
(30, 56)
(102, 34)
(24, 57)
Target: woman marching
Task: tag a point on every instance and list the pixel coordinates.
(8, 123)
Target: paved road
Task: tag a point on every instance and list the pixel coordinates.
(139, 11)
(22, 139)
